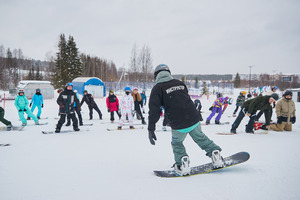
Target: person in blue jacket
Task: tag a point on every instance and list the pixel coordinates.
(37, 101)
(21, 103)
(144, 100)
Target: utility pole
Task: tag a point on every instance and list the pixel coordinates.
(250, 76)
(274, 77)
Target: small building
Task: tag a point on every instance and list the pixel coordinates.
(296, 94)
(30, 86)
(93, 85)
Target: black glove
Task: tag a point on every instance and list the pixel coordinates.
(25, 110)
(42, 105)
(30, 104)
(210, 108)
(293, 120)
(279, 120)
(152, 137)
(108, 110)
(20, 110)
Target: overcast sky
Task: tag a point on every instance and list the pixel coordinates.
(190, 36)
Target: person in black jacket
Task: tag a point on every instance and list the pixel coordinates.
(173, 95)
(66, 100)
(89, 100)
(250, 108)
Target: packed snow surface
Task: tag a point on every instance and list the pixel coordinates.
(98, 164)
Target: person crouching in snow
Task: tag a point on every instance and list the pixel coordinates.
(126, 106)
(217, 107)
(112, 103)
(21, 103)
(184, 119)
(5, 121)
(66, 100)
(37, 101)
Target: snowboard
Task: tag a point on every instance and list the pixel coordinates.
(38, 119)
(255, 132)
(40, 124)
(63, 131)
(4, 145)
(88, 124)
(13, 128)
(127, 128)
(207, 168)
(223, 123)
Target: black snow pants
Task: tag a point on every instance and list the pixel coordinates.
(249, 126)
(112, 115)
(79, 117)
(2, 119)
(94, 106)
(62, 120)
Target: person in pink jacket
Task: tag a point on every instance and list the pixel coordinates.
(112, 103)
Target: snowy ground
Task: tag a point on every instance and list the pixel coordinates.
(98, 164)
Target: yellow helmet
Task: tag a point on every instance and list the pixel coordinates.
(244, 92)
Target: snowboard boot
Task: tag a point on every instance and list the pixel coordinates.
(164, 128)
(37, 123)
(100, 117)
(249, 131)
(131, 127)
(184, 169)
(233, 131)
(24, 124)
(80, 124)
(217, 159)
(57, 130)
(112, 121)
(207, 122)
(28, 118)
(9, 127)
(39, 117)
(68, 123)
(119, 128)
(143, 121)
(234, 115)
(217, 122)
(76, 129)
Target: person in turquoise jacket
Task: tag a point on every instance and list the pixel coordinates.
(21, 103)
(37, 101)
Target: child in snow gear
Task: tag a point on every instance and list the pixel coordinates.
(77, 110)
(127, 107)
(144, 100)
(21, 103)
(184, 119)
(37, 101)
(112, 103)
(217, 107)
(286, 115)
(239, 101)
(137, 103)
(89, 100)
(198, 105)
(3, 120)
(250, 108)
(66, 101)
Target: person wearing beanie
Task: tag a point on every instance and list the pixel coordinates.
(172, 95)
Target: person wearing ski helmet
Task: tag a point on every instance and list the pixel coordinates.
(286, 113)
(21, 103)
(239, 101)
(184, 119)
(126, 107)
(37, 101)
(89, 100)
(66, 101)
(217, 108)
(250, 108)
(77, 110)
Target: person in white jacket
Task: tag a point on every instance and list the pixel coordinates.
(126, 107)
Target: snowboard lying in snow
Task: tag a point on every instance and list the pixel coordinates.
(126, 128)
(63, 131)
(13, 128)
(222, 123)
(207, 168)
(255, 132)
(4, 145)
(38, 119)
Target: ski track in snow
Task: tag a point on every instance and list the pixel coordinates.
(101, 164)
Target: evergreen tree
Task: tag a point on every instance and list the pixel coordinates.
(196, 82)
(30, 75)
(204, 88)
(237, 80)
(38, 75)
(74, 62)
(60, 77)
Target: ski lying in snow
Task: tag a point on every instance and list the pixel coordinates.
(207, 168)
(13, 128)
(115, 129)
(4, 145)
(63, 131)
(223, 123)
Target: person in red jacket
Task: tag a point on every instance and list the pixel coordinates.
(112, 103)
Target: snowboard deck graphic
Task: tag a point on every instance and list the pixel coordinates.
(223, 123)
(124, 129)
(13, 128)
(4, 145)
(229, 161)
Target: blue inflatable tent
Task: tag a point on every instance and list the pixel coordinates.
(93, 85)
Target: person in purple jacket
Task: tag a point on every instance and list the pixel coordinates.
(217, 107)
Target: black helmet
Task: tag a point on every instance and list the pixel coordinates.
(274, 96)
(85, 91)
(159, 68)
(287, 92)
